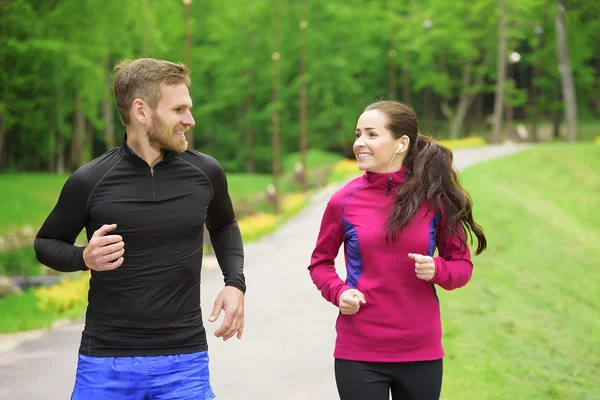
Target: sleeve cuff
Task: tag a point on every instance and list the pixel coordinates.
(436, 275)
(79, 257)
(237, 285)
(339, 293)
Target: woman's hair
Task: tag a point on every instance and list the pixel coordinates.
(430, 177)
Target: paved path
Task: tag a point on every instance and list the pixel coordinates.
(286, 352)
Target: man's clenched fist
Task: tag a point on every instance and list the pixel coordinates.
(104, 252)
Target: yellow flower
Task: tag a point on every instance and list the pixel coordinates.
(257, 224)
(472, 141)
(63, 296)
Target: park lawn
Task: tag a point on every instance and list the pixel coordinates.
(527, 325)
(28, 198)
(315, 158)
(19, 313)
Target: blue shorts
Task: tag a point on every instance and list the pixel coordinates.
(176, 377)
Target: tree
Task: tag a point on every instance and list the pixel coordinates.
(275, 104)
(303, 97)
(566, 74)
(500, 74)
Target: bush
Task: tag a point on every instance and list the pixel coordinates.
(344, 169)
(293, 203)
(63, 296)
(463, 143)
(20, 262)
(256, 225)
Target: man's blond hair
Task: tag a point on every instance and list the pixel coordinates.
(141, 78)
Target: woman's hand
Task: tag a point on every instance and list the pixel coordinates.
(424, 266)
(350, 301)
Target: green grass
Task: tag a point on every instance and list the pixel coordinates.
(247, 185)
(588, 130)
(21, 261)
(19, 313)
(27, 198)
(528, 323)
(315, 158)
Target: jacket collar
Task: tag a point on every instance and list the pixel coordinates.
(130, 155)
(388, 179)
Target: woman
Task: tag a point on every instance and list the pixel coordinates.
(391, 220)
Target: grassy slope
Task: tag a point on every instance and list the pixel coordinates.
(527, 325)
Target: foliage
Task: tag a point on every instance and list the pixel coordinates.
(64, 296)
(20, 313)
(344, 169)
(56, 105)
(20, 261)
(260, 224)
(464, 143)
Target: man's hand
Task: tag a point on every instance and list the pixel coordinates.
(104, 253)
(424, 266)
(350, 301)
(231, 300)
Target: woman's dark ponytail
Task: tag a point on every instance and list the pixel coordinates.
(432, 178)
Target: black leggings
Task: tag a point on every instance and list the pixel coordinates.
(357, 380)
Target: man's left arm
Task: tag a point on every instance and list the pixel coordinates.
(226, 240)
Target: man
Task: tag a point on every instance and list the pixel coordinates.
(144, 206)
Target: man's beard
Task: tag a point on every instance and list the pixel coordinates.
(164, 138)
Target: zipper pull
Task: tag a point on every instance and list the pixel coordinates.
(152, 172)
(389, 190)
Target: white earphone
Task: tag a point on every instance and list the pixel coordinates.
(400, 147)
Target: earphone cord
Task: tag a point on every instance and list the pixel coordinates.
(390, 164)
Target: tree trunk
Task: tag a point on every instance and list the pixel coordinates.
(188, 62)
(60, 130)
(509, 99)
(500, 72)
(89, 141)
(534, 104)
(78, 134)
(107, 109)
(596, 99)
(249, 107)
(303, 96)
(556, 124)
(566, 74)
(392, 60)
(275, 101)
(2, 132)
(466, 98)
(249, 133)
(479, 111)
(239, 128)
(147, 29)
(406, 86)
(427, 108)
(468, 94)
(406, 97)
(556, 116)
